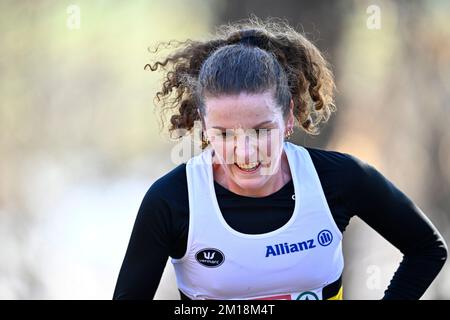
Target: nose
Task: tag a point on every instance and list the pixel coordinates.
(246, 149)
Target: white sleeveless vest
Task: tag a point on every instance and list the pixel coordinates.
(293, 262)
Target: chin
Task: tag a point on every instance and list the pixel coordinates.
(253, 181)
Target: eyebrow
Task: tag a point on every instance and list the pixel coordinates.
(255, 127)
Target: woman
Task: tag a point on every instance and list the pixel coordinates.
(254, 216)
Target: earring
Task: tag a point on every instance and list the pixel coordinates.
(205, 141)
(289, 133)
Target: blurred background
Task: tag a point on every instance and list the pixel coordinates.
(80, 141)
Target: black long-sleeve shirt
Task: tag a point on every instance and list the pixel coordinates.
(351, 187)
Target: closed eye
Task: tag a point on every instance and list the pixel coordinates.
(261, 131)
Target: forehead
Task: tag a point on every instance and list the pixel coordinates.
(243, 110)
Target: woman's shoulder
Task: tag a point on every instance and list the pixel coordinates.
(338, 159)
(169, 186)
(345, 167)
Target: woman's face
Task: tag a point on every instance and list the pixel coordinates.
(246, 132)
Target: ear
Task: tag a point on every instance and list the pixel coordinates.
(291, 119)
(201, 119)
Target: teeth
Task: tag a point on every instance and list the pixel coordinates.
(251, 165)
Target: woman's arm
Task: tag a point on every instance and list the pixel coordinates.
(147, 251)
(388, 211)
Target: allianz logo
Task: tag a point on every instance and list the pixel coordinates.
(324, 238)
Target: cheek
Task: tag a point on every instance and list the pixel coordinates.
(270, 145)
(224, 151)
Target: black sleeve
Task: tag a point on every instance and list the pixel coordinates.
(395, 217)
(148, 249)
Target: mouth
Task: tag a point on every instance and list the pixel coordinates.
(248, 168)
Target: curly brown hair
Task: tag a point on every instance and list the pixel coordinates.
(247, 56)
